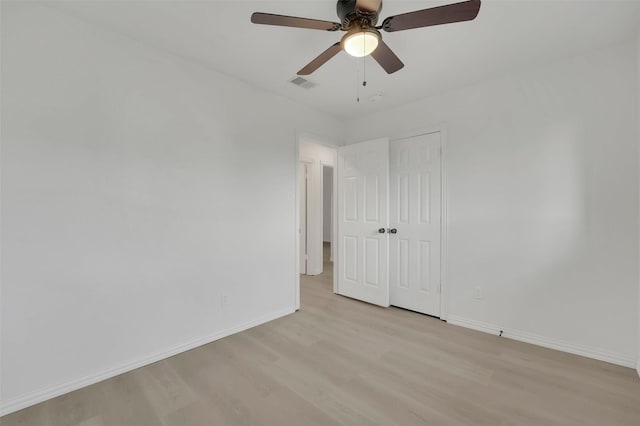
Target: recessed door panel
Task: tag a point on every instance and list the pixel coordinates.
(372, 261)
(372, 199)
(424, 197)
(402, 198)
(351, 258)
(350, 199)
(403, 263)
(425, 265)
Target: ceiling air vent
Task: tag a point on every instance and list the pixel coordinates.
(303, 82)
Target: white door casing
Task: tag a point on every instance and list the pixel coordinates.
(363, 194)
(415, 211)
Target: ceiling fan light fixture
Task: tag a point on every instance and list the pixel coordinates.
(360, 42)
(359, 18)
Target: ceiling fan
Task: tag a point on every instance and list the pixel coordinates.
(359, 18)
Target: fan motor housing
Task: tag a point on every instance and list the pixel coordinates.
(348, 14)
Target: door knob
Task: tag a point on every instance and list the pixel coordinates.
(381, 231)
(393, 231)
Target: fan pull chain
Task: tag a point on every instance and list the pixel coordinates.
(357, 79)
(364, 64)
(364, 71)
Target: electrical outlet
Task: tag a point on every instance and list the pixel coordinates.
(477, 292)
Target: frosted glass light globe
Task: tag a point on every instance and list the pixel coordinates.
(360, 44)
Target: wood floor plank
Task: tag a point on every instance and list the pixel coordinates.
(342, 362)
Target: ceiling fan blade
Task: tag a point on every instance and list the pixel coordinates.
(321, 59)
(368, 6)
(447, 14)
(386, 58)
(293, 21)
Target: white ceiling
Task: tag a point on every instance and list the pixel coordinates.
(506, 36)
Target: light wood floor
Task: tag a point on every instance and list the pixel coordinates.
(342, 362)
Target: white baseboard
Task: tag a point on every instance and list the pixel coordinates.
(32, 398)
(586, 351)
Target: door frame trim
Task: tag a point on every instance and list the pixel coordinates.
(306, 162)
(444, 276)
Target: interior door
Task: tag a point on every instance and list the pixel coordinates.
(415, 215)
(303, 217)
(363, 198)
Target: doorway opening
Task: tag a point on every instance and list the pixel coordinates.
(315, 215)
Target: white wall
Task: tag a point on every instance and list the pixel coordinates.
(327, 191)
(137, 190)
(317, 153)
(543, 201)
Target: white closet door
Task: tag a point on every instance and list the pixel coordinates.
(415, 213)
(363, 180)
